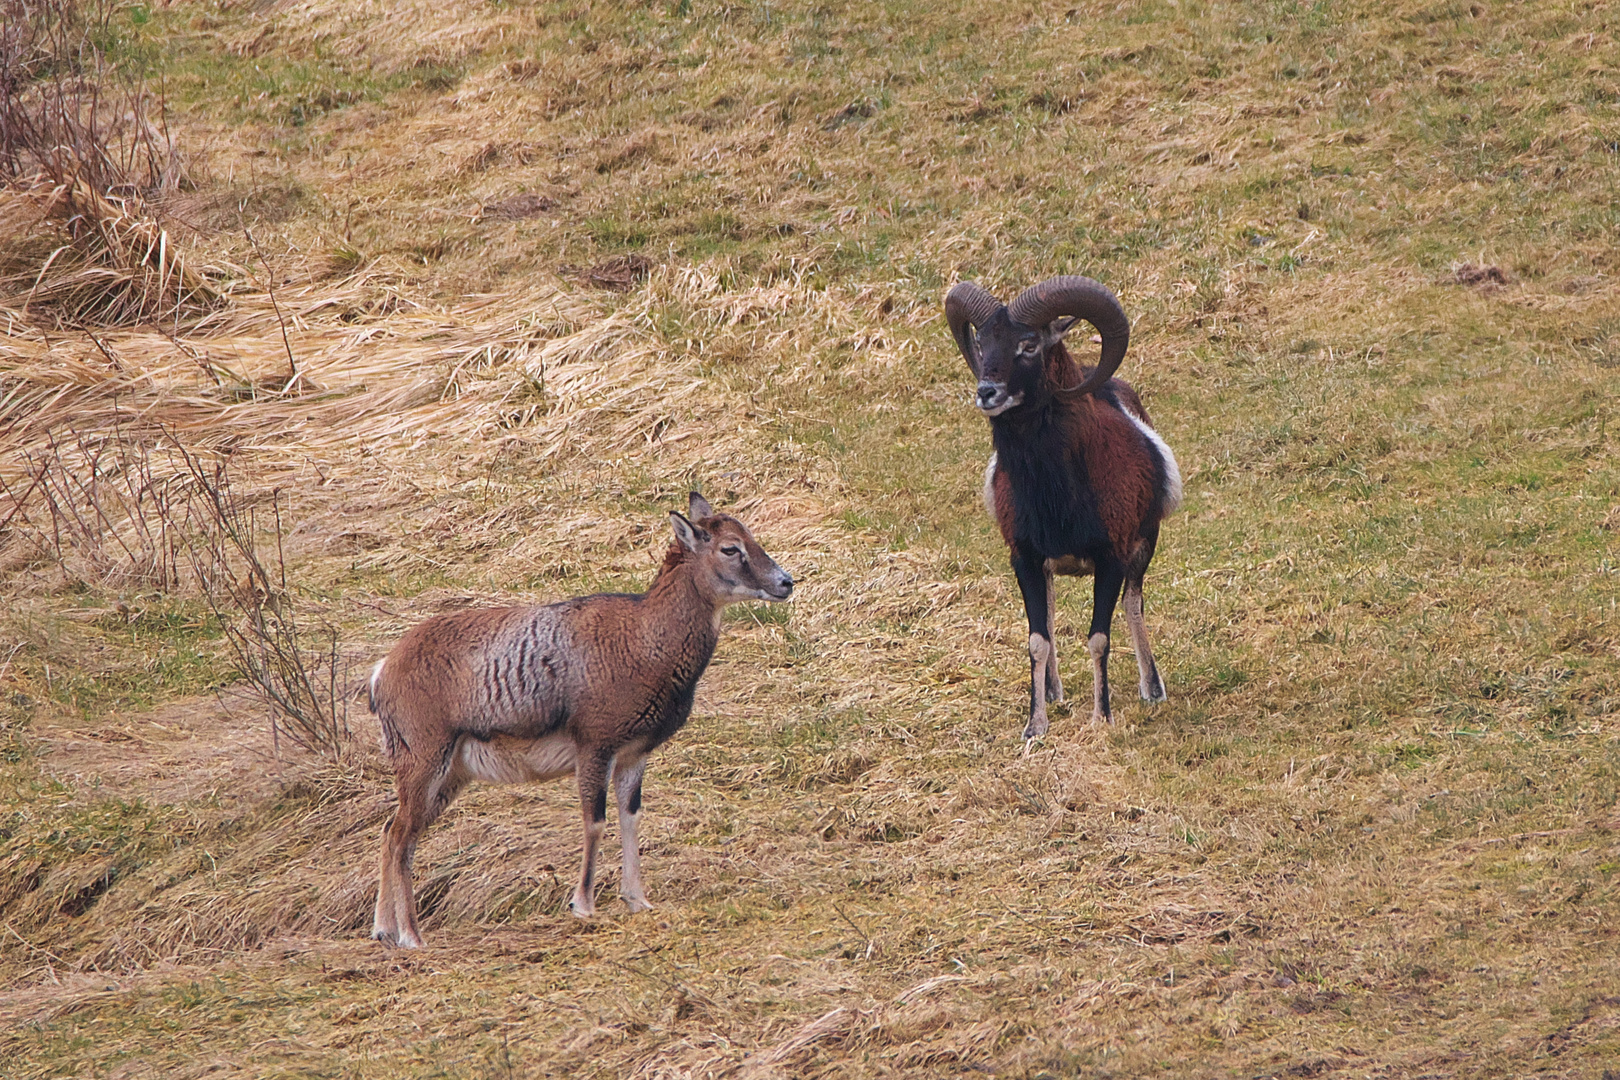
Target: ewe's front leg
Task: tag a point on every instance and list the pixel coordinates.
(592, 773)
(627, 784)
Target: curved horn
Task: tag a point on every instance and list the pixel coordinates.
(968, 305)
(1083, 298)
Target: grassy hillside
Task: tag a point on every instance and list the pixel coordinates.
(541, 268)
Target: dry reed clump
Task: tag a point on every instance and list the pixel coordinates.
(72, 255)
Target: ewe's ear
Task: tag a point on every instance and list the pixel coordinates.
(689, 535)
(698, 508)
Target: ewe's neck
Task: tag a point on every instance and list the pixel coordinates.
(676, 587)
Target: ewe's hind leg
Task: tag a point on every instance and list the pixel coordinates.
(627, 784)
(427, 783)
(392, 923)
(1148, 681)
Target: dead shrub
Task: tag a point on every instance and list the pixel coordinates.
(115, 511)
(298, 671)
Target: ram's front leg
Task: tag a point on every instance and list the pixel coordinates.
(1054, 681)
(1110, 577)
(1033, 579)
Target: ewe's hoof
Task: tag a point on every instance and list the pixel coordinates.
(1036, 727)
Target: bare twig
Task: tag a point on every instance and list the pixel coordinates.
(293, 376)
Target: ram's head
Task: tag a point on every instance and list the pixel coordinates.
(1010, 346)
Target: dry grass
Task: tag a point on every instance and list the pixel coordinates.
(1368, 251)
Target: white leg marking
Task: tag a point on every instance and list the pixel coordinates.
(584, 902)
(384, 920)
(1097, 645)
(1040, 653)
(626, 783)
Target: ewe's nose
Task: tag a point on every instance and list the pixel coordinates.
(987, 393)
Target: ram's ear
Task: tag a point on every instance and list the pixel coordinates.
(1061, 326)
(687, 534)
(698, 508)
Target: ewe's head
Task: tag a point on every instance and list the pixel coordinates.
(729, 564)
(1008, 345)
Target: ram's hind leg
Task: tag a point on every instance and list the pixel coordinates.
(1148, 681)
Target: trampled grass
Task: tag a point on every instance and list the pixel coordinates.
(1373, 831)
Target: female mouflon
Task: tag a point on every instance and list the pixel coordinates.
(1079, 480)
(589, 686)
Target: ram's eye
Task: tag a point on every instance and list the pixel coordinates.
(1027, 348)
(731, 549)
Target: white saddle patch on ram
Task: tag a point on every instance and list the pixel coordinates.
(1172, 471)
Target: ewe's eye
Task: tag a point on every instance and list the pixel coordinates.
(731, 549)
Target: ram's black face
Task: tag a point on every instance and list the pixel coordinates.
(1012, 363)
